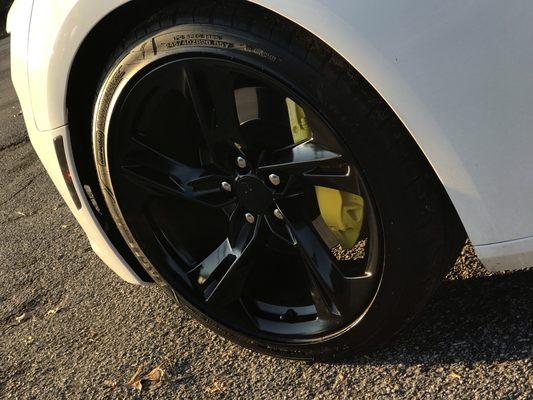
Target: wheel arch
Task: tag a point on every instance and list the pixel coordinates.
(105, 35)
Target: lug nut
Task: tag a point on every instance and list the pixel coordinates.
(274, 179)
(278, 214)
(249, 218)
(226, 186)
(289, 316)
(241, 162)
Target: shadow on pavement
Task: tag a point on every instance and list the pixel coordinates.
(480, 319)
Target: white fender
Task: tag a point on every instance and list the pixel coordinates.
(457, 73)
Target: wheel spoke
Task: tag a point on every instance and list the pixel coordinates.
(322, 133)
(280, 234)
(300, 158)
(345, 180)
(263, 118)
(335, 295)
(236, 225)
(222, 275)
(212, 93)
(150, 169)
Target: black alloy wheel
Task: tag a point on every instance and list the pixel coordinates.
(265, 185)
(225, 199)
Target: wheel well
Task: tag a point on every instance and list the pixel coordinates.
(85, 75)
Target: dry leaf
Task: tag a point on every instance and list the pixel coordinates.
(155, 375)
(151, 381)
(135, 375)
(154, 378)
(137, 385)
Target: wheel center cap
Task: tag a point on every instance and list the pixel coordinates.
(253, 194)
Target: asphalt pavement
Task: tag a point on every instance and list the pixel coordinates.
(70, 328)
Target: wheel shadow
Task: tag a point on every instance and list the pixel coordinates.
(487, 318)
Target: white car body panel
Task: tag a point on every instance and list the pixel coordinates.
(100, 243)
(43, 142)
(458, 74)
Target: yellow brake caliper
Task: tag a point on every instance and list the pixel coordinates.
(342, 212)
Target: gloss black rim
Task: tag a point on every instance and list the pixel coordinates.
(221, 199)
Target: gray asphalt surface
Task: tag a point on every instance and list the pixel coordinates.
(70, 328)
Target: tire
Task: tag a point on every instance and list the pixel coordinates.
(419, 232)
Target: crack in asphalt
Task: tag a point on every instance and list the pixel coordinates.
(25, 139)
(24, 187)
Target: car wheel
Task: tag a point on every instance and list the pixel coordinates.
(265, 185)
